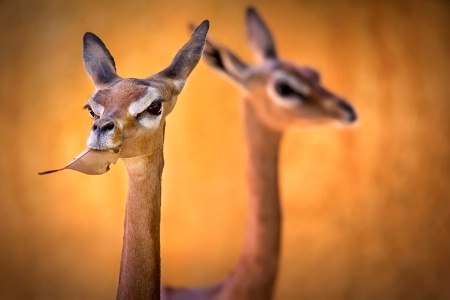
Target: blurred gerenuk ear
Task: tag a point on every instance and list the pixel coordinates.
(259, 37)
(223, 60)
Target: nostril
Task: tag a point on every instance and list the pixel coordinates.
(103, 126)
(108, 126)
(349, 110)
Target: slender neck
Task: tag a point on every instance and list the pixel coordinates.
(259, 260)
(140, 266)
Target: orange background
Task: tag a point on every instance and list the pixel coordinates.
(366, 211)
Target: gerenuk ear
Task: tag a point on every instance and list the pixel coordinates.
(187, 57)
(98, 62)
(259, 36)
(222, 59)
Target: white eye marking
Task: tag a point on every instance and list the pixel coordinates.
(149, 121)
(179, 84)
(280, 100)
(98, 109)
(142, 103)
(293, 82)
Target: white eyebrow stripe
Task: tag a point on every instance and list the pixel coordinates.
(142, 103)
(293, 81)
(97, 108)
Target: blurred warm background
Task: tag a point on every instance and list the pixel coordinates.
(366, 210)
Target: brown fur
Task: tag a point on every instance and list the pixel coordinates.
(141, 148)
(265, 121)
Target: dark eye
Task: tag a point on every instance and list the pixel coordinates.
(91, 112)
(283, 89)
(155, 108)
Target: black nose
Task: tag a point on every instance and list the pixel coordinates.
(349, 110)
(103, 125)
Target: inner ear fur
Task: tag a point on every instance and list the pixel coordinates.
(98, 62)
(259, 36)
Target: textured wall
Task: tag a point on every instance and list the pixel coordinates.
(366, 211)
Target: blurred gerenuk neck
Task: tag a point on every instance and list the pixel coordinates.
(258, 265)
(140, 266)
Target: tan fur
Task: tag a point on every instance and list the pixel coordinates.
(134, 139)
(141, 148)
(265, 120)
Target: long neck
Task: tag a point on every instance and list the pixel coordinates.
(140, 266)
(259, 261)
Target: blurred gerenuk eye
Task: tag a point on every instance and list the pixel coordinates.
(285, 90)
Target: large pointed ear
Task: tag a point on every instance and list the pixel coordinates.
(222, 59)
(98, 62)
(187, 57)
(259, 36)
